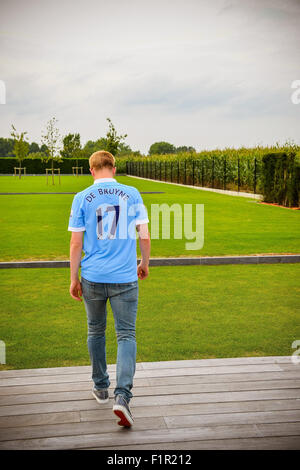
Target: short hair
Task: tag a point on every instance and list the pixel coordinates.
(102, 159)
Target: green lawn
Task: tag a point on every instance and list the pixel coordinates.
(188, 312)
(35, 226)
(38, 183)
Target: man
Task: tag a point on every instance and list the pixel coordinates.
(104, 220)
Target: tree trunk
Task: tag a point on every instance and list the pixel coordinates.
(52, 171)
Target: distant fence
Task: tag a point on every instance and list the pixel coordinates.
(275, 175)
(240, 175)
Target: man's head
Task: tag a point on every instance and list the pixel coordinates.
(102, 164)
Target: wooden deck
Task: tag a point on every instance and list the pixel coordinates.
(238, 403)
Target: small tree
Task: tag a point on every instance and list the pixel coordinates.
(184, 148)
(52, 140)
(72, 147)
(34, 147)
(113, 141)
(21, 146)
(6, 147)
(161, 148)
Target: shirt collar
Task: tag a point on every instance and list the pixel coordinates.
(104, 180)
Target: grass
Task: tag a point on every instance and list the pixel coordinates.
(38, 183)
(188, 312)
(35, 226)
(184, 312)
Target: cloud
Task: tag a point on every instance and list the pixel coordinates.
(159, 72)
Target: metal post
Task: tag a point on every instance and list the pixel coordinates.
(184, 171)
(193, 172)
(224, 172)
(171, 171)
(238, 174)
(254, 182)
(213, 172)
(178, 172)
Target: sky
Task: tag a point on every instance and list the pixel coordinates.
(202, 73)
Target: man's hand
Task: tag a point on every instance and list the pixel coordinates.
(142, 271)
(144, 241)
(76, 290)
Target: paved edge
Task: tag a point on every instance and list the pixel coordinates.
(205, 188)
(209, 260)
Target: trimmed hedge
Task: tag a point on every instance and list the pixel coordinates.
(281, 178)
(37, 166)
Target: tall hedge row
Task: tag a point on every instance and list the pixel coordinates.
(37, 166)
(274, 174)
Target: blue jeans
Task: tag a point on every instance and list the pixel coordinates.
(123, 299)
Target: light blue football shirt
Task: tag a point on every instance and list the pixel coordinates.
(108, 213)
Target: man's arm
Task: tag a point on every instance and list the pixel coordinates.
(75, 258)
(145, 246)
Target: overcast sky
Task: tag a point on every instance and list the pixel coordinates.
(206, 73)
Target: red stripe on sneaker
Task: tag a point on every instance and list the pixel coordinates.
(123, 420)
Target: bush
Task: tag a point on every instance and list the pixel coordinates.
(280, 182)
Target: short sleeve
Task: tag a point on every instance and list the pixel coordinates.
(141, 215)
(76, 220)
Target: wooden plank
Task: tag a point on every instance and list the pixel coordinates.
(195, 420)
(148, 365)
(56, 371)
(142, 382)
(249, 376)
(200, 408)
(130, 437)
(51, 407)
(261, 443)
(44, 379)
(45, 371)
(41, 418)
(146, 423)
(60, 387)
(176, 403)
(74, 429)
(290, 367)
(99, 413)
(216, 362)
(79, 394)
(214, 370)
(158, 400)
(185, 371)
(216, 397)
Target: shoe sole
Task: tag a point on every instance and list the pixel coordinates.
(125, 419)
(100, 401)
